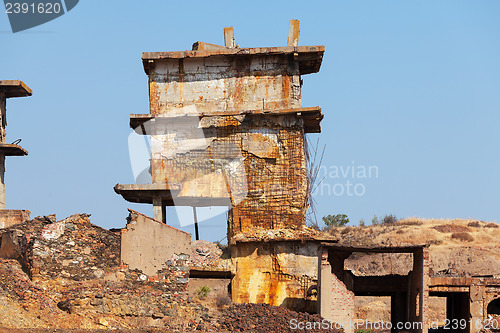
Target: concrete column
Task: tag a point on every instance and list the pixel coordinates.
(3, 116)
(2, 182)
(477, 307)
(157, 208)
(419, 292)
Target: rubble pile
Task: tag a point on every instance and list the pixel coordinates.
(266, 318)
(74, 248)
(205, 254)
(67, 274)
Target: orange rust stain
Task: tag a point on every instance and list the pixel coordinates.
(153, 98)
(285, 91)
(238, 93)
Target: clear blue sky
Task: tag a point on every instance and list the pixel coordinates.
(409, 87)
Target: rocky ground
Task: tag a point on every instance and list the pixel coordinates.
(65, 276)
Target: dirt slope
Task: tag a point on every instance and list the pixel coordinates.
(457, 247)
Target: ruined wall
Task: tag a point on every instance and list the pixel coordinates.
(276, 273)
(257, 162)
(151, 246)
(10, 217)
(335, 300)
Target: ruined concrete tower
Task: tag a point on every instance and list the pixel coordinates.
(227, 127)
(9, 89)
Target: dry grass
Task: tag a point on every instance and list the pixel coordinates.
(462, 236)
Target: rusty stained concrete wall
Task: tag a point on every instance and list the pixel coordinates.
(258, 162)
(226, 83)
(150, 245)
(276, 273)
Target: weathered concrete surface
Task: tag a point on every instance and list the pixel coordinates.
(475, 293)
(150, 245)
(335, 300)
(229, 123)
(8, 89)
(10, 217)
(337, 286)
(276, 273)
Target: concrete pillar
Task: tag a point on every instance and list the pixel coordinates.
(158, 208)
(2, 181)
(419, 292)
(3, 112)
(477, 307)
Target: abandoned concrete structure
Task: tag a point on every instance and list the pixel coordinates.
(337, 287)
(470, 300)
(228, 128)
(9, 89)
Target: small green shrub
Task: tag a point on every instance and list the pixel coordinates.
(338, 220)
(203, 292)
(389, 219)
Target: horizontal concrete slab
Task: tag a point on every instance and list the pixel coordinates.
(308, 57)
(9, 149)
(14, 88)
(169, 194)
(312, 117)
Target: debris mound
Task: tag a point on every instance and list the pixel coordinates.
(268, 318)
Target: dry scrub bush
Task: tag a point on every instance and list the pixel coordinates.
(462, 236)
(347, 230)
(222, 299)
(474, 224)
(491, 225)
(451, 228)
